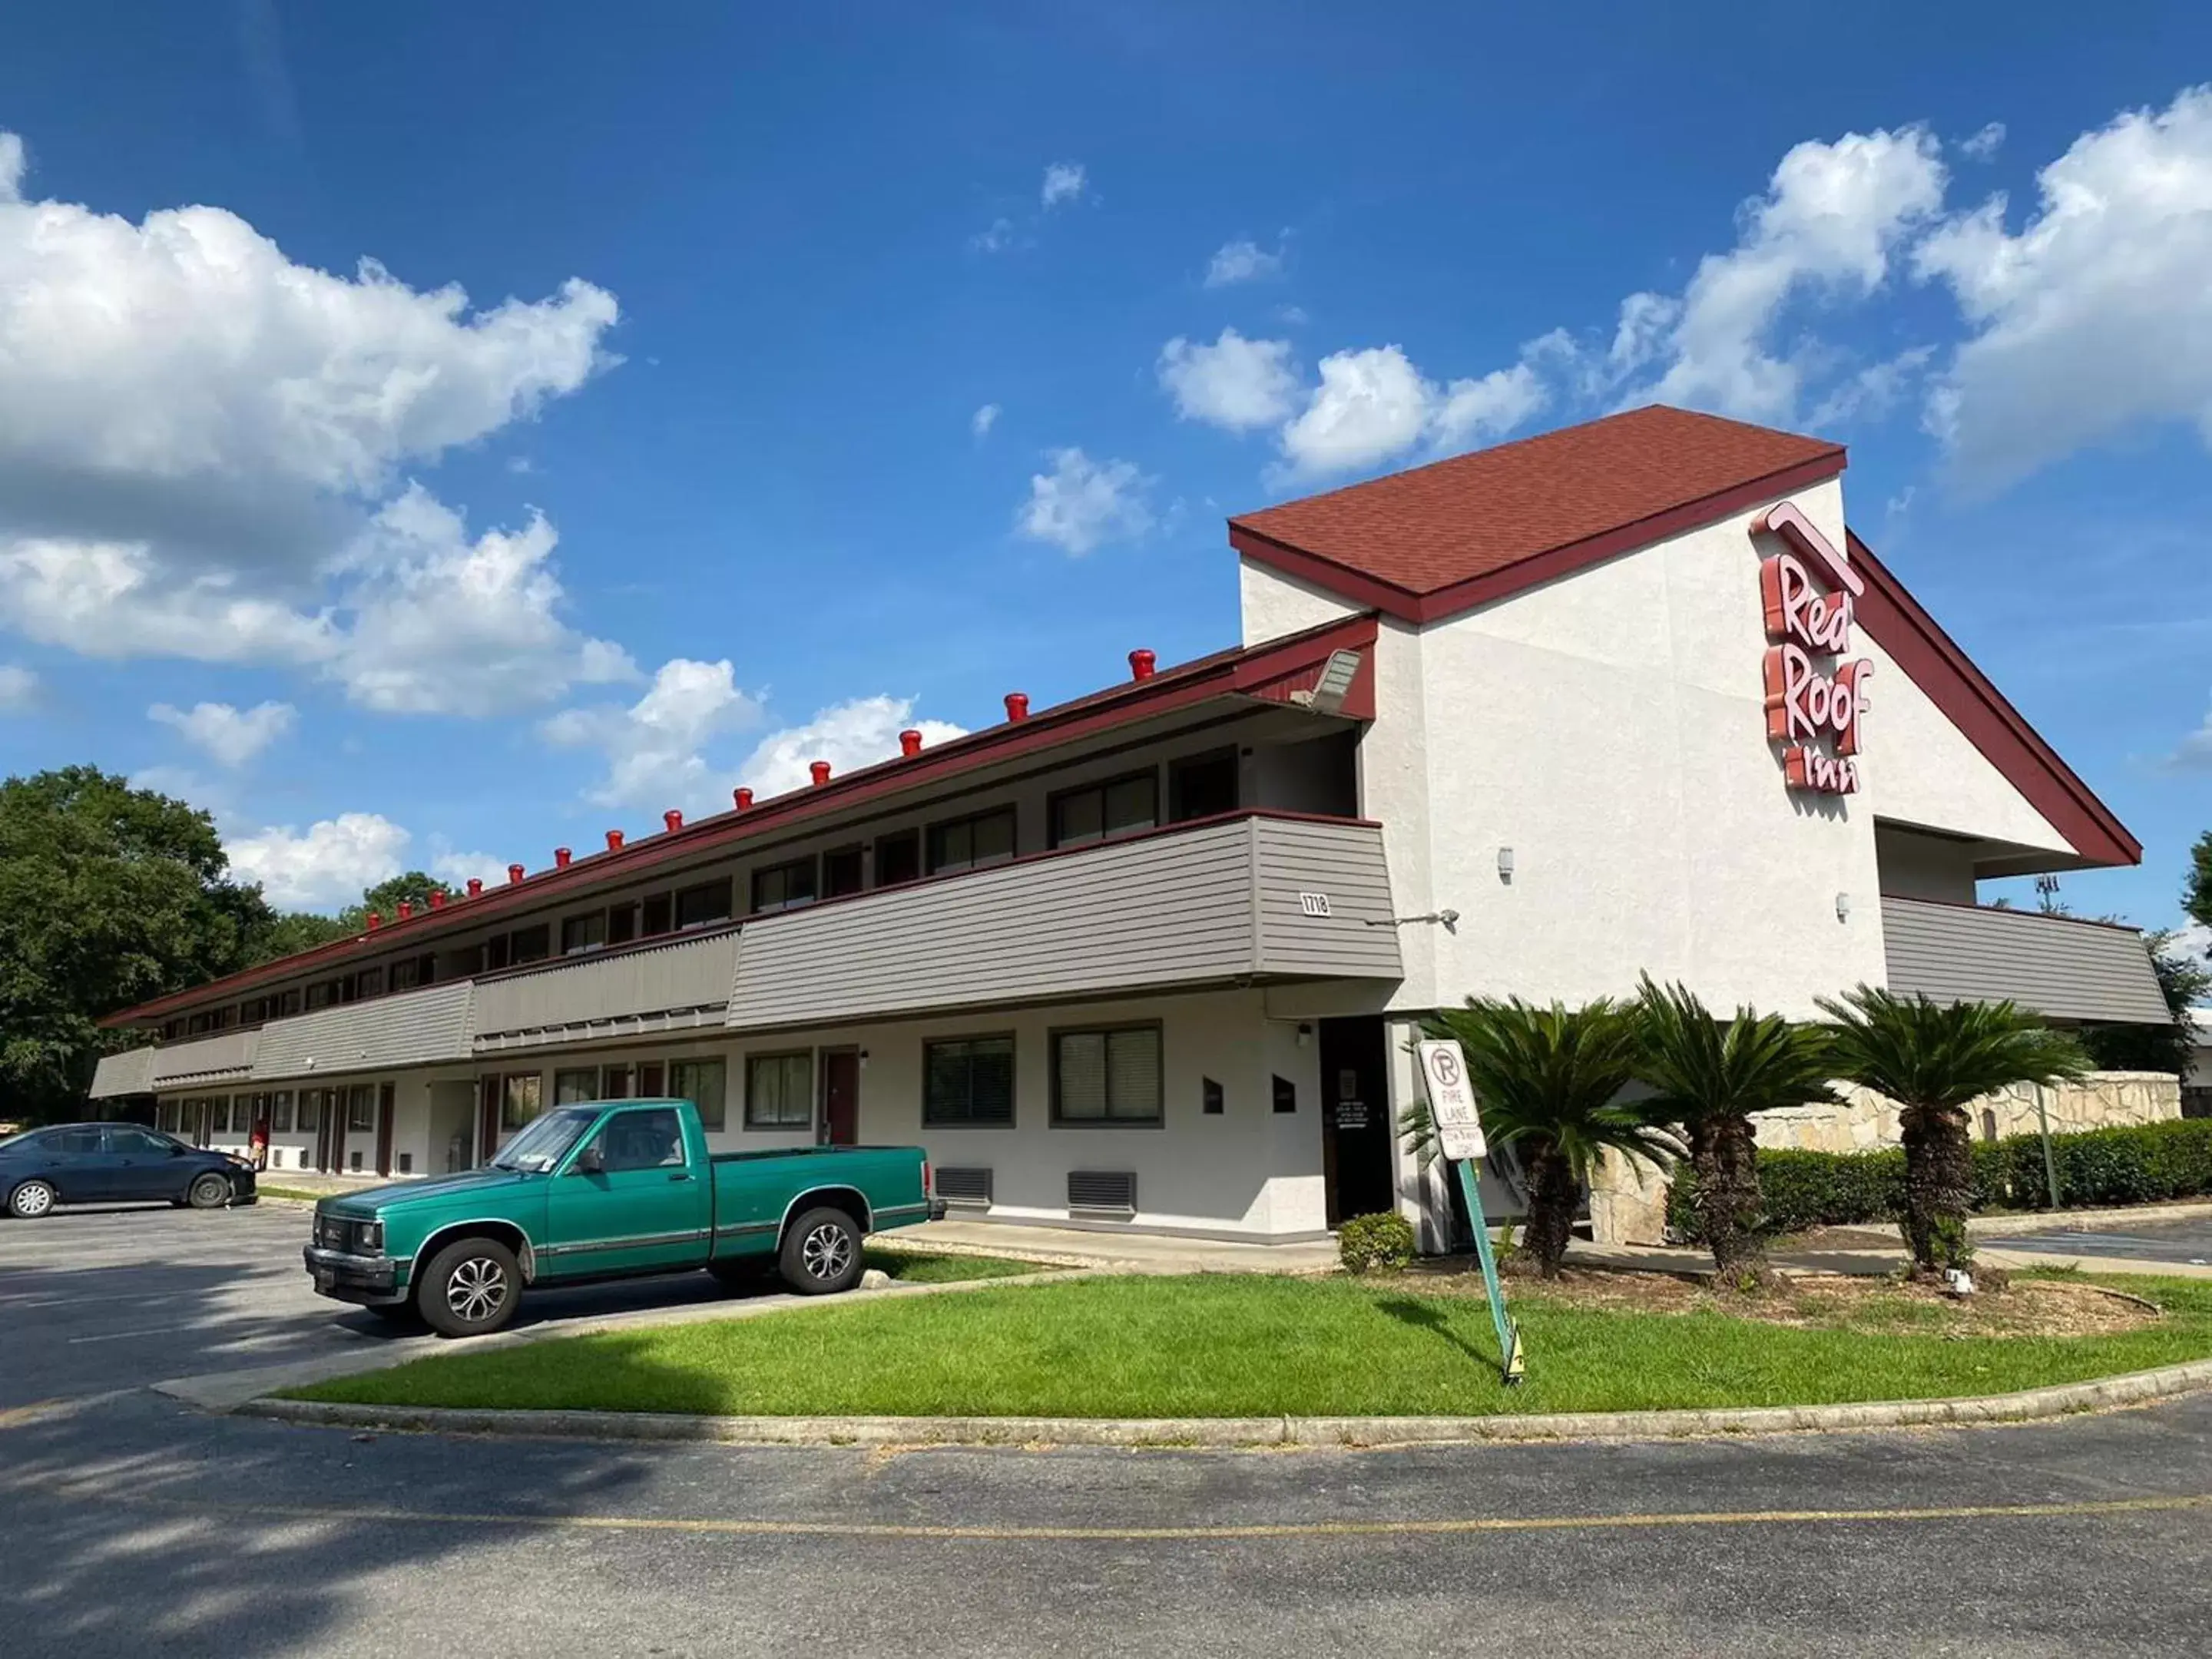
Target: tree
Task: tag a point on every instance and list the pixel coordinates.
(1712, 1076)
(1935, 1060)
(109, 895)
(1547, 1080)
(2196, 886)
(292, 932)
(414, 887)
(2185, 982)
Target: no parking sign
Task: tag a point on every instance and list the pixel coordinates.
(1451, 1099)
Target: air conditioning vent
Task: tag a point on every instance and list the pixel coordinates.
(969, 1186)
(1102, 1192)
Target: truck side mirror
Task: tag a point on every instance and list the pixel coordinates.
(592, 1160)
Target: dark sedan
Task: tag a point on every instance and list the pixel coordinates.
(114, 1163)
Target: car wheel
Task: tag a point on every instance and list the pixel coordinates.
(207, 1192)
(32, 1200)
(469, 1288)
(821, 1253)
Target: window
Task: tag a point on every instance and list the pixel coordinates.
(780, 1092)
(361, 1108)
(530, 944)
(570, 1087)
(288, 1003)
(280, 1112)
(172, 1030)
(704, 905)
(136, 1143)
(370, 982)
(621, 924)
(840, 872)
(1110, 1076)
(614, 1083)
(704, 1083)
(322, 995)
(196, 1025)
(311, 1110)
(783, 886)
(521, 1097)
(972, 843)
(1203, 786)
(898, 857)
(406, 975)
(650, 1083)
(656, 916)
(494, 953)
(649, 1139)
(582, 933)
(968, 1080)
(1101, 812)
(69, 1142)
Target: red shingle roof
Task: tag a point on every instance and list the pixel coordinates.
(1421, 536)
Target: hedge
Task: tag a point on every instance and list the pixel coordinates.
(2136, 1163)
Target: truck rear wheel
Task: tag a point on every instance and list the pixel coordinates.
(821, 1253)
(469, 1288)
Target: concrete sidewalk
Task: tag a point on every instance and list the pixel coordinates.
(1075, 1247)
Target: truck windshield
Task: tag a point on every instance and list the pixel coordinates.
(538, 1146)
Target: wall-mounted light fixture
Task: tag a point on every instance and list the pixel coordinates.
(1843, 907)
(1305, 1033)
(864, 1059)
(1505, 864)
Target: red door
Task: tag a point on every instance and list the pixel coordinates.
(841, 1096)
(386, 1100)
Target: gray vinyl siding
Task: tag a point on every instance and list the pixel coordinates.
(414, 1028)
(684, 975)
(225, 1057)
(2063, 970)
(130, 1072)
(1182, 909)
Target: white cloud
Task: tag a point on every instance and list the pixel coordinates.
(655, 748)
(19, 686)
(983, 420)
(231, 736)
(1064, 181)
(1235, 383)
(1374, 405)
(455, 869)
(1833, 217)
(1985, 144)
(2096, 320)
(1242, 261)
(194, 431)
(1874, 390)
(848, 735)
(997, 237)
(1082, 503)
(2194, 752)
(323, 866)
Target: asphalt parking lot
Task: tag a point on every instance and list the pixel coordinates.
(2188, 1242)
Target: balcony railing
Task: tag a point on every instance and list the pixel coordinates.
(2061, 967)
(1225, 901)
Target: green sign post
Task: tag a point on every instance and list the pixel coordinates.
(1458, 1125)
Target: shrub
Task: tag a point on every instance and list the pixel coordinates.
(1366, 1242)
(2133, 1164)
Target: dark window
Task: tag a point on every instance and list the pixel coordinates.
(704, 905)
(1108, 1076)
(288, 1003)
(649, 1139)
(324, 994)
(780, 1092)
(704, 1083)
(136, 1143)
(972, 843)
(406, 975)
(1202, 787)
(196, 1026)
(521, 1097)
(898, 857)
(614, 1082)
(370, 982)
(1101, 812)
(574, 1087)
(361, 1107)
(1214, 1101)
(840, 872)
(280, 1113)
(71, 1142)
(172, 1030)
(582, 933)
(657, 912)
(650, 1083)
(621, 924)
(968, 1080)
(530, 944)
(495, 954)
(783, 886)
(311, 1110)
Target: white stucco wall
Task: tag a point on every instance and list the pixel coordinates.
(1274, 604)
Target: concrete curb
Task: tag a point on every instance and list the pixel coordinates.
(2081, 1221)
(2103, 1394)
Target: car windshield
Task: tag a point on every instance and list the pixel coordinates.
(537, 1147)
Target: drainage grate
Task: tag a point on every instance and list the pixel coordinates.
(1102, 1192)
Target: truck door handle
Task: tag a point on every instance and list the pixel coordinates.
(680, 1174)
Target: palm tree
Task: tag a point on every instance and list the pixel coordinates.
(1933, 1060)
(1711, 1076)
(1547, 1078)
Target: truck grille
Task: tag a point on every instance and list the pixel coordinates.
(336, 1232)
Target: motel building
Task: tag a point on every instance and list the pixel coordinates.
(1626, 697)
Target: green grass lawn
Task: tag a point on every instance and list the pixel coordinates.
(265, 1190)
(1221, 1345)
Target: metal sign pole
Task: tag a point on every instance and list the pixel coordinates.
(1509, 1333)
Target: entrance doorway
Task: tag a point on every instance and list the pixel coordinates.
(387, 1110)
(841, 1096)
(1358, 1158)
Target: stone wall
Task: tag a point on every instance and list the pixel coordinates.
(1628, 1203)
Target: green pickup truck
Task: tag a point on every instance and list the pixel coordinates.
(612, 1190)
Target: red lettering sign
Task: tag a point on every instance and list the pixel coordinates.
(1811, 699)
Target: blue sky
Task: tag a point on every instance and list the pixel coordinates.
(697, 482)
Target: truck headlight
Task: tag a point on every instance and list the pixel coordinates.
(369, 1235)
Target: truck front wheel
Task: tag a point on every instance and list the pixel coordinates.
(469, 1288)
(821, 1253)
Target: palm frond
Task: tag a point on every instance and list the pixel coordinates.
(1699, 1065)
(1925, 1054)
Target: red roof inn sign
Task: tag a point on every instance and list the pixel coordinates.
(1813, 699)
